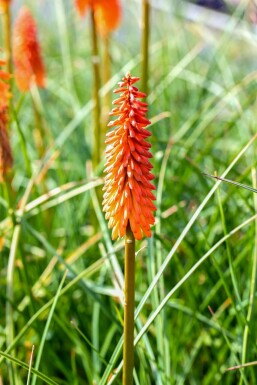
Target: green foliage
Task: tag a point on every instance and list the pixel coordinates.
(195, 279)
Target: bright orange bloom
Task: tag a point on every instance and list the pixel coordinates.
(107, 13)
(128, 196)
(5, 149)
(28, 62)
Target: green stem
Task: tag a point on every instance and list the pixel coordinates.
(39, 131)
(30, 365)
(97, 147)
(107, 99)
(46, 329)
(7, 191)
(240, 314)
(10, 280)
(129, 304)
(145, 45)
(23, 142)
(10, 295)
(252, 286)
(66, 52)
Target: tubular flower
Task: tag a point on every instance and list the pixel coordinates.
(5, 149)
(128, 191)
(107, 13)
(28, 62)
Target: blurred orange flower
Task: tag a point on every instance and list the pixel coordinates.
(82, 6)
(107, 13)
(4, 87)
(28, 62)
(5, 149)
(128, 196)
(4, 4)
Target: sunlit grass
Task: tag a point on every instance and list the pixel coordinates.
(194, 277)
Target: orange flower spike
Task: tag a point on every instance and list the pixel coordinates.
(128, 189)
(4, 4)
(5, 149)
(28, 62)
(107, 15)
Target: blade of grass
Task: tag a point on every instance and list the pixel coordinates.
(44, 335)
(230, 261)
(252, 286)
(30, 365)
(65, 49)
(232, 182)
(189, 273)
(177, 286)
(189, 225)
(84, 274)
(26, 367)
(167, 260)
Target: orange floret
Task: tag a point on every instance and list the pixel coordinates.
(128, 189)
(28, 62)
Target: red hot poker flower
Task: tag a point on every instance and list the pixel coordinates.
(4, 4)
(28, 62)
(128, 196)
(107, 13)
(5, 149)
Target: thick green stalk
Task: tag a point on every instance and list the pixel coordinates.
(129, 304)
(38, 131)
(98, 146)
(41, 131)
(10, 296)
(107, 100)
(145, 45)
(7, 191)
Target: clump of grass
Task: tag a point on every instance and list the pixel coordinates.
(202, 105)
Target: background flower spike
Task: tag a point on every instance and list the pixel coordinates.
(5, 148)
(29, 66)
